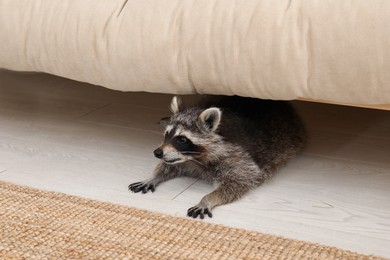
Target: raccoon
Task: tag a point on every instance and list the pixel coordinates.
(235, 143)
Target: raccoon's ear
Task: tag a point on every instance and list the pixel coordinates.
(175, 104)
(211, 118)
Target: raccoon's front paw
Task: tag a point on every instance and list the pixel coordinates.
(142, 186)
(199, 211)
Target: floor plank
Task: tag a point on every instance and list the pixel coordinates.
(354, 147)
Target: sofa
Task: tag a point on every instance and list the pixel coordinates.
(329, 51)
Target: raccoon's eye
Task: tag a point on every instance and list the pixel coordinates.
(181, 139)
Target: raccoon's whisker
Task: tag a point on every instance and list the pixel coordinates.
(189, 152)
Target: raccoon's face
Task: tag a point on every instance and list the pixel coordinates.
(188, 134)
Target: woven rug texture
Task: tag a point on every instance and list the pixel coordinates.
(37, 224)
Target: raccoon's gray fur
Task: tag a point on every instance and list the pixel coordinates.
(235, 143)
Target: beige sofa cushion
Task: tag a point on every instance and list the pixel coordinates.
(332, 50)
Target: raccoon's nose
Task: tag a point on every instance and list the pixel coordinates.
(158, 153)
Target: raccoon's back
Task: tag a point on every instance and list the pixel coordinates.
(270, 131)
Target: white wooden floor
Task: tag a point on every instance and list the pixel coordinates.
(60, 135)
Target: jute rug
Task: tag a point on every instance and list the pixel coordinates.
(36, 224)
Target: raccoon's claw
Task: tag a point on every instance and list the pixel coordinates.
(199, 211)
(142, 186)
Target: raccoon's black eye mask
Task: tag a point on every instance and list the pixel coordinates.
(183, 144)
